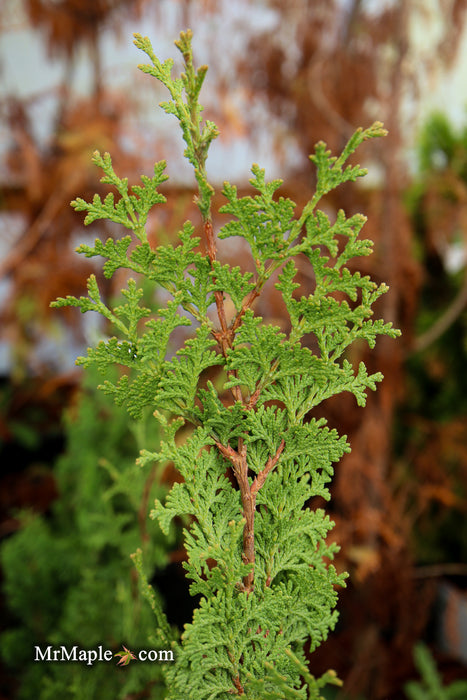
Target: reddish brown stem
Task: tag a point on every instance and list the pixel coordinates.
(240, 469)
(238, 686)
(248, 493)
(238, 458)
(247, 303)
(270, 464)
(253, 398)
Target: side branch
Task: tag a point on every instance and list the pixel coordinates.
(249, 299)
(270, 464)
(240, 469)
(248, 495)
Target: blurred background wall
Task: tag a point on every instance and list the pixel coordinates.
(282, 76)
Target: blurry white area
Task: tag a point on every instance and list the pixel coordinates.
(26, 71)
(5, 346)
(455, 256)
(220, 39)
(439, 89)
(11, 226)
(444, 90)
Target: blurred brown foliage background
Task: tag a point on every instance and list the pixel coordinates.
(282, 76)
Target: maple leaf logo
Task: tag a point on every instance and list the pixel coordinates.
(126, 655)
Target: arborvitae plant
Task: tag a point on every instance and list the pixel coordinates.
(254, 457)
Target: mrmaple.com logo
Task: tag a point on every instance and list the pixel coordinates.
(91, 656)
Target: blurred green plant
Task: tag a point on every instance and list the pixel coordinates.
(431, 685)
(68, 577)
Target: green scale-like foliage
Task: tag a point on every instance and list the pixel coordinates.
(253, 457)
